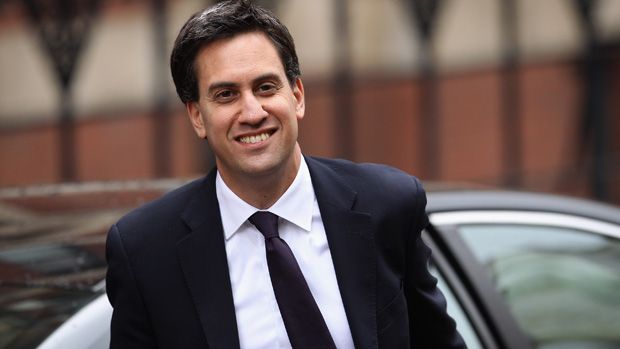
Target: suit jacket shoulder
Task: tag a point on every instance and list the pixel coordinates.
(376, 185)
(163, 209)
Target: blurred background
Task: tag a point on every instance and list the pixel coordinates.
(512, 93)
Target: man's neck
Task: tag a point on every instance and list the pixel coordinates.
(262, 191)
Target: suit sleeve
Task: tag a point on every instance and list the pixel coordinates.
(130, 327)
(430, 326)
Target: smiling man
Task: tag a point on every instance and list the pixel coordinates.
(271, 249)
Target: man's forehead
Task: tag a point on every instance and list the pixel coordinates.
(244, 53)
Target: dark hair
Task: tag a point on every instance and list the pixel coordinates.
(225, 20)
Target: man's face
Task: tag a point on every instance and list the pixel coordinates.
(247, 109)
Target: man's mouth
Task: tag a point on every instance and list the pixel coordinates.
(255, 138)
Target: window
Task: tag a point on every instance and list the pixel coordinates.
(561, 284)
(455, 310)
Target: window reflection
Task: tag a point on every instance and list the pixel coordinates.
(29, 314)
(456, 312)
(560, 284)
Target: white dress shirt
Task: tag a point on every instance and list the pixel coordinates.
(259, 321)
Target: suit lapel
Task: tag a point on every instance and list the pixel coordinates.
(351, 243)
(202, 256)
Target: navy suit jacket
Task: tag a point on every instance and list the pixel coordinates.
(168, 277)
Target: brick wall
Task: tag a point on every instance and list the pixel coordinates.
(387, 128)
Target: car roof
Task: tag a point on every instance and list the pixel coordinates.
(477, 199)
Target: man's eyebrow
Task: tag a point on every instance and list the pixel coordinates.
(221, 85)
(268, 76)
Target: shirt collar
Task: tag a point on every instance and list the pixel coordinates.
(295, 205)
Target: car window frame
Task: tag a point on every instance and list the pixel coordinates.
(488, 313)
(460, 291)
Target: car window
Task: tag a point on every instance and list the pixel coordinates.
(455, 310)
(52, 260)
(561, 284)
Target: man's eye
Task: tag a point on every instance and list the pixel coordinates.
(225, 95)
(267, 88)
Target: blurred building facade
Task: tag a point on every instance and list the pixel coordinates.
(513, 93)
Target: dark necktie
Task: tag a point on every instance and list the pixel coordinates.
(304, 323)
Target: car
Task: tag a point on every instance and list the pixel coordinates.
(519, 270)
(525, 270)
(52, 260)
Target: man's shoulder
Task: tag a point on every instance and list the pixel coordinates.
(364, 173)
(168, 207)
(381, 190)
(373, 183)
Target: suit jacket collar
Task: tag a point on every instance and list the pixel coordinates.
(202, 255)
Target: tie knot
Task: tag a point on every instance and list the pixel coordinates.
(266, 223)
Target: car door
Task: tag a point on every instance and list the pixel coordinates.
(532, 279)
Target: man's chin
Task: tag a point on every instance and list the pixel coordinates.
(260, 170)
(264, 167)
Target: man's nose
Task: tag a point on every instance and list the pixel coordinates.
(252, 110)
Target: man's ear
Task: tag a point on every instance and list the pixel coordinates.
(300, 102)
(196, 119)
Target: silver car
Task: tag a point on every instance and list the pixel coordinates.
(519, 270)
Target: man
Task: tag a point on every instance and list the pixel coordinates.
(272, 249)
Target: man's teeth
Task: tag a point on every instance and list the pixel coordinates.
(254, 139)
